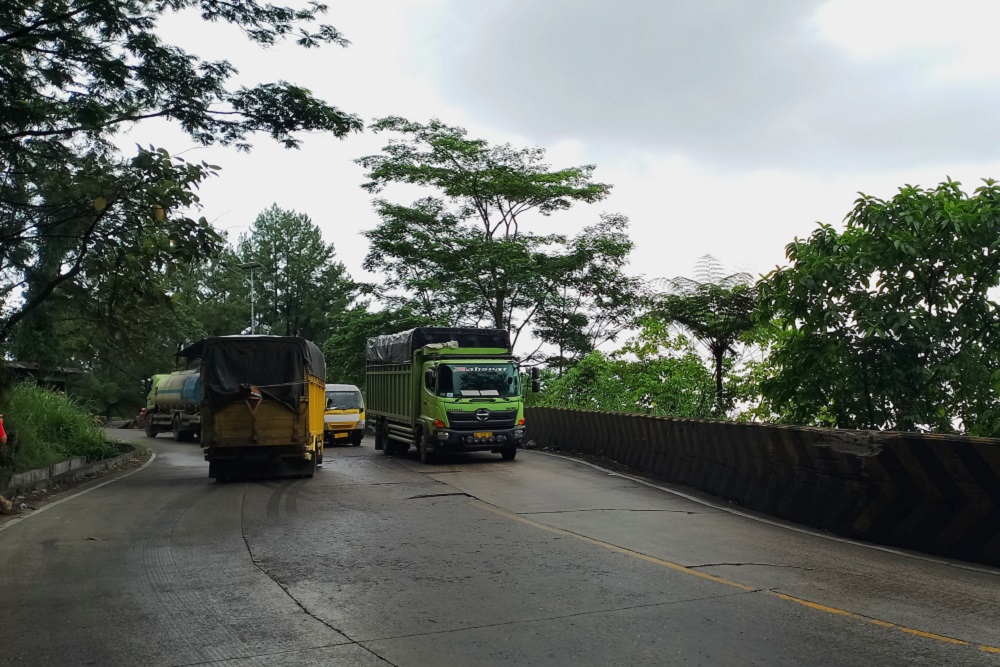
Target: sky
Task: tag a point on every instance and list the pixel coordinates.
(726, 127)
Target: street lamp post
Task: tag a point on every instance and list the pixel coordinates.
(250, 266)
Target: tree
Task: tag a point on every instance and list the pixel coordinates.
(594, 303)
(214, 293)
(74, 72)
(889, 323)
(655, 372)
(352, 327)
(464, 254)
(716, 309)
(301, 284)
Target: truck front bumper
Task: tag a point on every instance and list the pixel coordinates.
(447, 440)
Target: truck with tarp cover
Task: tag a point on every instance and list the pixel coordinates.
(444, 389)
(262, 402)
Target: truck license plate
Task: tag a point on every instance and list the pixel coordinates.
(341, 435)
(482, 435)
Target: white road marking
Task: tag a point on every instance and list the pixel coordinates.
(778, 524)
(41, 509)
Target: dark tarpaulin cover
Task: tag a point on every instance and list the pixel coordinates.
(398, 348)
(275, 364)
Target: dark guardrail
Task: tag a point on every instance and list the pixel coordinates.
(934, 493)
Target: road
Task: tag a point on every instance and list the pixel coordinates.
(539, 561)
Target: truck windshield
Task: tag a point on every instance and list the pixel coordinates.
(467, 380)
(343, 400)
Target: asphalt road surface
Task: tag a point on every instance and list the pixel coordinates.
(539, 561)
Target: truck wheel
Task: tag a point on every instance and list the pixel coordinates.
(508, 453)
(356, 438)
(310, 467)
(176, 425)
(221, 472)
(426, 455)
(150, 428)
(388, 446)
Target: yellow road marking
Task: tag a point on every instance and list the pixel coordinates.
(720, 580)
(612, 547)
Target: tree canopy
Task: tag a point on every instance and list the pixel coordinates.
(76, 72)
(466, 253)
(716, 309)
(890, 323)
(300, 284)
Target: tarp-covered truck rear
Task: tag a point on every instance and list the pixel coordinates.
(262, 404)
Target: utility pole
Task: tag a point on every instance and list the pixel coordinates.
(250, 266)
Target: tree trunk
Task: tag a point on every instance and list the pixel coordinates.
(719, 357)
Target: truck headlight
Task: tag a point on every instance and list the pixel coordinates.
(519, 433)
(361, 425)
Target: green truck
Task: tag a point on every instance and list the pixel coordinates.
(444, 390)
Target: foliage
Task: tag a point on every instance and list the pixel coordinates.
(50, 427)
(464, 254)
(889, 323)
(213, 294)
(352, 327)
(594, 303)
(654, 373)
(717, 310)
(301, 284)
(74, 73)
(298, 289)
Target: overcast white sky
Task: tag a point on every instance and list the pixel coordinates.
(726, 127)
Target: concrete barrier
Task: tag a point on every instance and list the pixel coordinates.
(933, 493)
(14, 484)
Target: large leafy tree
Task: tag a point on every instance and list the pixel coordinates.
(716, 309)
(593, 304)
(300, 282)
(890, 322)
(74, 73)
(466, 253)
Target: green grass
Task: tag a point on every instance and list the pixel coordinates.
(50, 427)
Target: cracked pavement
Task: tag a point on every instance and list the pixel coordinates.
(380, 561)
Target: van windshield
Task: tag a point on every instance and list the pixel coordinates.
(343, 400)
(470, 380)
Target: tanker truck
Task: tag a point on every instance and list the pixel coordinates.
(174, 405)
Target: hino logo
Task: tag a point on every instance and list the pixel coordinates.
(482, 414)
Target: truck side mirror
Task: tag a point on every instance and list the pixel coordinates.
(429, 377)
(534, 375)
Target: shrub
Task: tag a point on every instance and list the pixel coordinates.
(48, 427)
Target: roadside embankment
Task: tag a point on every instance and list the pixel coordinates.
(58, 474)
(52, 440)
(934, 493)
(47, 427)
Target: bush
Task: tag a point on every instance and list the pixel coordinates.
(674, 386)
(48, 427)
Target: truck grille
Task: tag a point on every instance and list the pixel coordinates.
(482, 419)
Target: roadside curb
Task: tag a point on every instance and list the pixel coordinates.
(16, 484)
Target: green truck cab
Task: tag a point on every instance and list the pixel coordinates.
(444, 390)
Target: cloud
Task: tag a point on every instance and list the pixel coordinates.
(746, 85)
